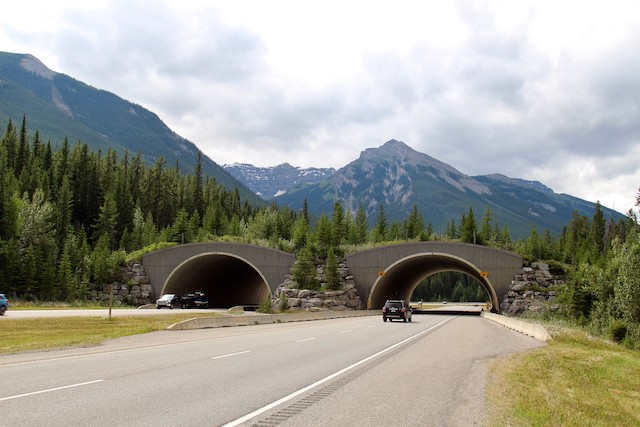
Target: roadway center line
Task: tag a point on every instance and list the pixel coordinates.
(48, 390)
(230, 354)
(288, 397)
(306, 339)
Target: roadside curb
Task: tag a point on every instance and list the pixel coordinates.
(533, 330)
(227, 320)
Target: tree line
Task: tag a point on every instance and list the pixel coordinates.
(70, 217)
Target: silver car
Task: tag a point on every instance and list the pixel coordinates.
(169, 301)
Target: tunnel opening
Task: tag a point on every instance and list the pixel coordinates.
(226, 279)
(402, 278)
(450, 286)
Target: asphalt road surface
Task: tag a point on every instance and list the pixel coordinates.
(339, 372)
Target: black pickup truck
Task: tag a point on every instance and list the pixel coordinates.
(195, 300)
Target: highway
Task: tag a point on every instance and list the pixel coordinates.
(351, 371)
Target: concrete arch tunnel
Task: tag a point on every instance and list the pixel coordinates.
(401, 278)
(226, 279)
(229, 274)
(394, 271)
(243, 274)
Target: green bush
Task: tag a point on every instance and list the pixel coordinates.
(617, 331)
(284, 301)
(266, 306)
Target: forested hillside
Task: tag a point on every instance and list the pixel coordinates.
(60, 106)
(70, 218)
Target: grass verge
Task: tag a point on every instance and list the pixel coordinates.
(576, 380)
(57, 305)
(20, 335)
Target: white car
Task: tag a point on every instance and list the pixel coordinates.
(169, 301)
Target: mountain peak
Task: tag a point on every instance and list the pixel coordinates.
(34, 65)
(393, 148)
(394, 143)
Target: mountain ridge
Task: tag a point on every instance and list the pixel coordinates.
(395, 174)
(272, 181)
(60, 107)
(401, 178)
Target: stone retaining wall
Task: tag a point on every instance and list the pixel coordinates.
(534, 290)
(288, 296)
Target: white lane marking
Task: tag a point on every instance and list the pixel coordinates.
(347, 331)
(154, 346)
(49, 390)
(327, 378)
(230, 354)
(306, 339)
(372, 326)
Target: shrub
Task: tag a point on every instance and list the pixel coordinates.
(284, 301)
(617, 330)
(266, 306)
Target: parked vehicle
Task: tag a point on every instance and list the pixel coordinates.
(169, 301)
(396, 309)
(4, 304)
(195, 300)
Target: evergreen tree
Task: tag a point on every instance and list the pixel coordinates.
(10, 143)
(180, 230)
(426, 235)
(300, 234)
(11, 265)
(452, 230)
(63, 212)
(395, 232)
(197, 188)
(381, 229)
(65, 279)
(61, 164)
(598, 230)
(213, 220)
(305, 210)
(468, 228)
(149, 231)
(332, 276)
(505, 238)
(338, 231)
(285, 223)
(323, 236)
(416, 223)
(304, 270)
(101, 269)
(23, 148)
(362, 226)
(486, 235)
(106, 224)
(533, 245)
(8, 204)
(124, 198)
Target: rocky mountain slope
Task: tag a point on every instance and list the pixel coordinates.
(400, 177)
(60, 107)
(269, 182)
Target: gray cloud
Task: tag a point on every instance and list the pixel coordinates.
(492, 99)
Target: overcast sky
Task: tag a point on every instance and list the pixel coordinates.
(539, 90)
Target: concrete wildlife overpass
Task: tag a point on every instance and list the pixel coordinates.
(242, 274)
(394, 271)
(230, 274)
